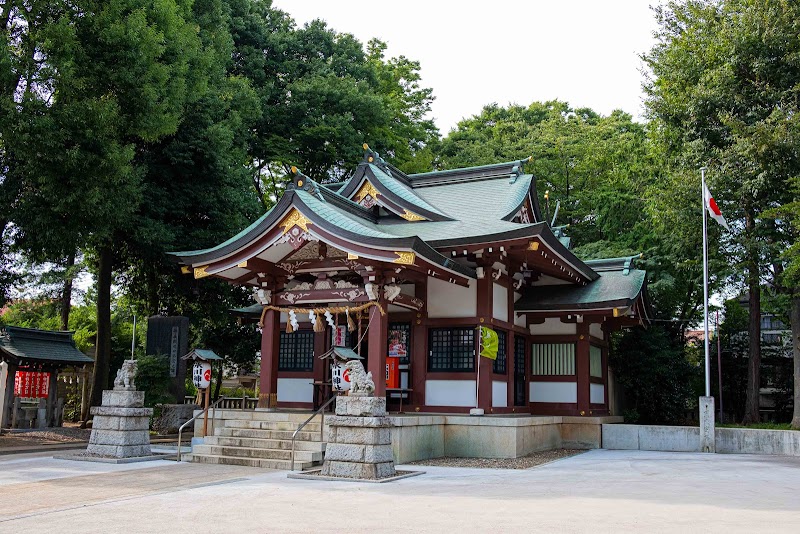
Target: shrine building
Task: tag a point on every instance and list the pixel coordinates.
(433, 256)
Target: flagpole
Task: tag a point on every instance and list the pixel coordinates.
(705, 281)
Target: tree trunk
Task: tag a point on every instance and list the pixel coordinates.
(218, 385)
(751, 412)
(795, 319)
(66, 295)
(102, 357)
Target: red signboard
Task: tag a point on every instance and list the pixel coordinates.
(31, 384)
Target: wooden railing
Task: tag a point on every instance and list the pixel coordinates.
(230, 403)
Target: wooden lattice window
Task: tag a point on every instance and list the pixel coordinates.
(296, 351)
(519, 355)
(595, 361)
(499, 365)
(451, 350)
(553, 359)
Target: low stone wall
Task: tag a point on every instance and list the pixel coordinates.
(687, 439)
(419, 437)
(755, 441)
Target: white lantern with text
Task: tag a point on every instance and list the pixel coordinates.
(201, 374)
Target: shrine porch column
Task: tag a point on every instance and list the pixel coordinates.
(582, 368)
(270, 343)
(377, 345)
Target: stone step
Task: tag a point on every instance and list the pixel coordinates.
(266, 434)
(265, 443)
(249, 452)
(268, 425)
(249, 415)
(250, 462)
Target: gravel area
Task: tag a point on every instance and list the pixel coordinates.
(44, 437)
(525, 462)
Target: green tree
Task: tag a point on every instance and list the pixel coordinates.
(722, 93)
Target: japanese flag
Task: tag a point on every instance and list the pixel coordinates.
(713, 209)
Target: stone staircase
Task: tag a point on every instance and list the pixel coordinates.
(260, 439)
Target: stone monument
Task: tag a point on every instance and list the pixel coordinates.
(360, 440)
(121, 426)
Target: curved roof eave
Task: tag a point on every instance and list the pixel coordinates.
(541, 230)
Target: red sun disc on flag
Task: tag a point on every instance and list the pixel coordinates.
(713, 205)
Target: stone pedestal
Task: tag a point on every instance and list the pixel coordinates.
(707, 430)
(359, 440)
(121, 426)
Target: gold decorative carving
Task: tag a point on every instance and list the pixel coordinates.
(200, 272)
(186, 269)
(411, 216)
(351, 256)
(295, 218)
(405, 258)
(533, 245)
(243, 264)
(367, 189)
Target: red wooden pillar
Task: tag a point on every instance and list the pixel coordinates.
(485, 303)
(582, 367)
(270, 343)
(419, 351)
(511, 345)
(377, 346)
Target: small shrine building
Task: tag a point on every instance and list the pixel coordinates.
(432, 256)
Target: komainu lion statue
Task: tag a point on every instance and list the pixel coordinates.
(361, 384)
(126, 375)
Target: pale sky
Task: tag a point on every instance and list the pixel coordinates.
(585, 52)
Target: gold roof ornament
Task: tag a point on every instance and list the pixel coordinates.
(411, 216)
(367, 189)
(294, 218)
(200, 272)
(405, 258)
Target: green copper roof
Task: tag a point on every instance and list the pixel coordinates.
(402, 190)
(41, 346)
(202, 354)
(611, 289)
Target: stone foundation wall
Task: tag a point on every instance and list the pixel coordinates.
(687, 439)
(419, 437)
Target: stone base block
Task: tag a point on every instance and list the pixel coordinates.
(358, 453)
(118, 451)
(106, 422)
(361, 406)
(347, 420)
(127, 399)
(120, 437)
(360, 435)
(119, 411)
(358, 469)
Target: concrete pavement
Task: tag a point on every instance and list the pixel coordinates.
(599, 491)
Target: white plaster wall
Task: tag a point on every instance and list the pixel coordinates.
(596, 330)
(451, 300)
(295, 390)
(450, 393)
(597, 393)
(552, 326)
(554, 392)
(519, 318)
(499, 394)
(499, 302)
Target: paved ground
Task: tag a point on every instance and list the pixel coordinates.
(599, 491)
